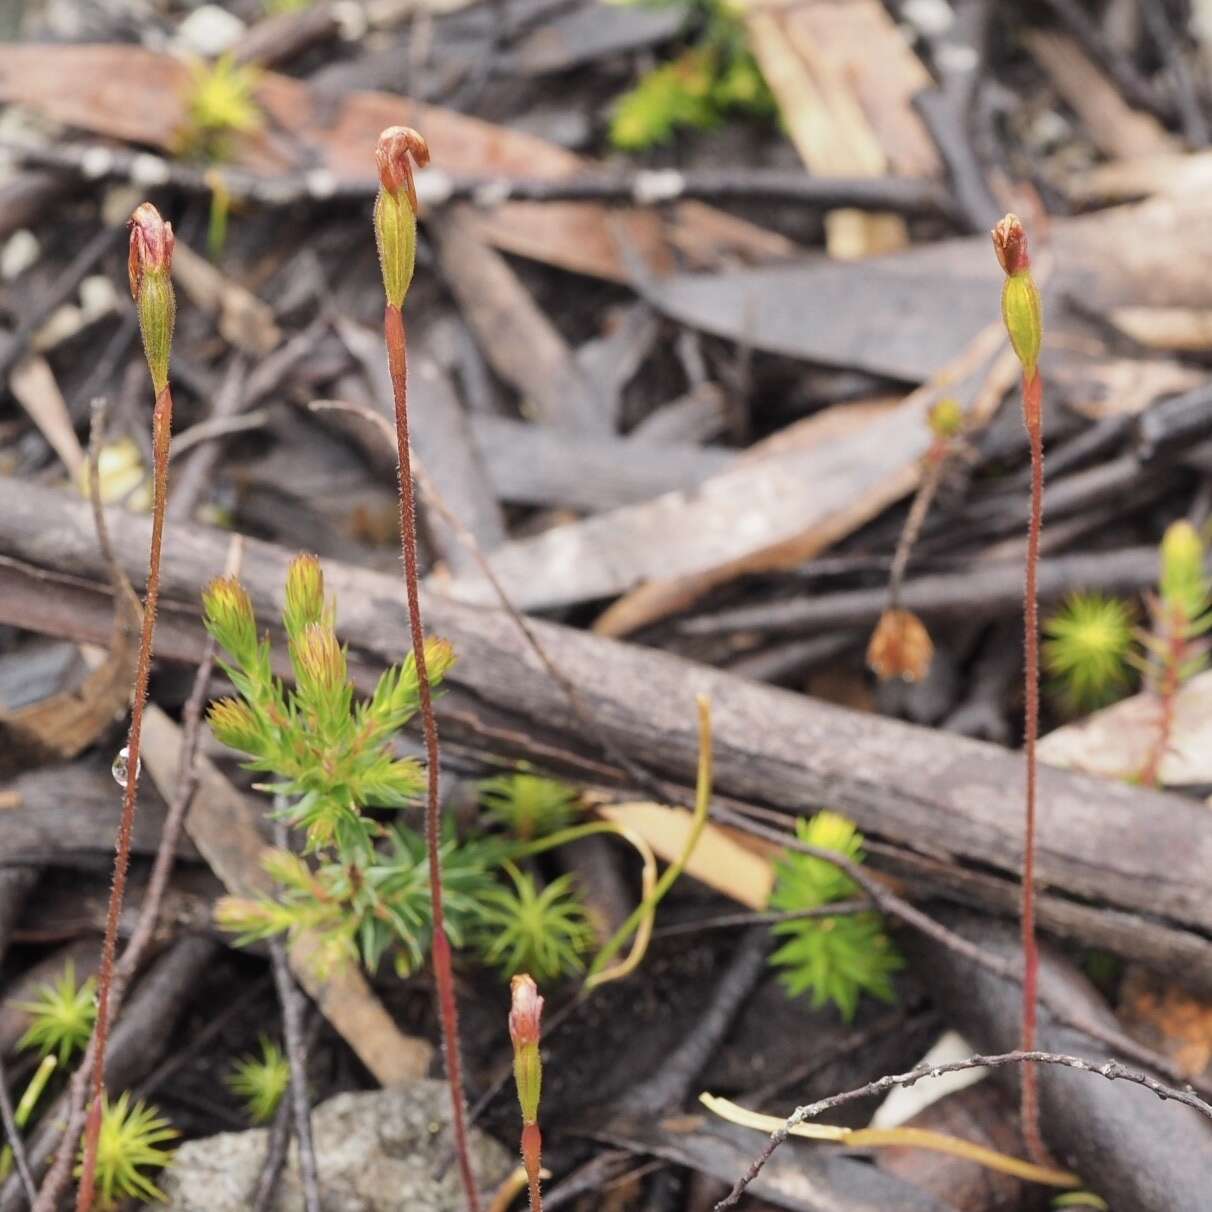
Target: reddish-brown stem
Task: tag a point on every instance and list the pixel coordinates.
(162, 421)
(443, 968)
(1171, 680)
(532, 1150)
(1033, 415)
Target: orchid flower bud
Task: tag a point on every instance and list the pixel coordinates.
(396, 208)
(149, 267)
(1022, 311)
(525, 1014)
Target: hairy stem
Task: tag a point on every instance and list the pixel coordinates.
(162, 419)
(397, 360)
(1033, 414)
(1167, 693)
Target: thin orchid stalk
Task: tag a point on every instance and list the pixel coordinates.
(395, 221)
(1022, 313)
(150, 264)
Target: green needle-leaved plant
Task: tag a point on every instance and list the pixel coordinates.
(836, 959)
(128, 1146)
(220, 104)
(1175, 647)
(261, 1081)
(542, 932)
(62, 1015)
(365, 911)
(713, 79)
(1087, 648)
(529, 806)
(333, 756)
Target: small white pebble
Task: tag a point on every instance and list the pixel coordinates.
(321, 183)
(351, 19)
(21, 251)
(931, 17)
(119, 203)
(658, 185)
(492, 194)
(98, 296)
(433, 186)
(146, 169)
(208, 31)
(952, 57)
(96, 162)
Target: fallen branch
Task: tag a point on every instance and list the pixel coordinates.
(918, 789)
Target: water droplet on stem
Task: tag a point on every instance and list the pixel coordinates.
(121, 767)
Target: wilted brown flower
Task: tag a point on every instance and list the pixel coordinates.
(900, 647)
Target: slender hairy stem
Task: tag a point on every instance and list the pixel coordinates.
(1167, 693)
(397, 360)
(1033, 412)
(1111, 1070)
(162, 419)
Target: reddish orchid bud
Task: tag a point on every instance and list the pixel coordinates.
(1010, 245)
(525, 1015)
(151, 245)
(526, 1011)
(396, 208)
(1022, 311)
(149, 266)
(398, 147)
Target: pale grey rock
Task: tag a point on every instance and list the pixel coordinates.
(208, 31)
(375, 1152)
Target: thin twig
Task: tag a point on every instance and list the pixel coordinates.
(275, 1157)
(727, 920)
(13, 1133)
(905, 195)
(1112, 1070)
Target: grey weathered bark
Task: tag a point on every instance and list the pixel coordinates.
(1121, 864)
